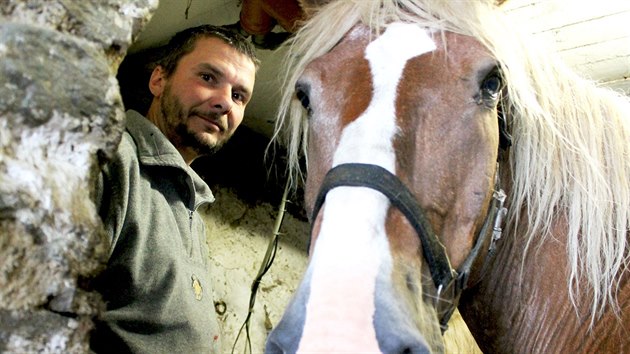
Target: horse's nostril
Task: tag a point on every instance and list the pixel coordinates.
(411, 348)
(416, 350)
(395, 332)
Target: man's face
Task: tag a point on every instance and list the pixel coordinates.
(203, 101)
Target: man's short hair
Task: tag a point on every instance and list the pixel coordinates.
(184, 41)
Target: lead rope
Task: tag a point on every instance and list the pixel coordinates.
(270, 255)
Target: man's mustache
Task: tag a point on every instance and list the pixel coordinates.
(211, 117)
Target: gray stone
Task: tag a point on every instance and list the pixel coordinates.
(44, 73)
(42, 332)
(111, 24)
(61, 115)
(60, 106)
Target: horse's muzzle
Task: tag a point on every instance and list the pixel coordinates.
(393, 330)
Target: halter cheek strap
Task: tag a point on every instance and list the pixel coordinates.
(445, 278)
(378, 178)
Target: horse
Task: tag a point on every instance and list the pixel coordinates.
(452, 162)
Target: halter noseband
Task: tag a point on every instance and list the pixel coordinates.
(444, 276)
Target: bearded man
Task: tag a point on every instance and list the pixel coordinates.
(157, 285)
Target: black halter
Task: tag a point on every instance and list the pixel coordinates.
(445, 278)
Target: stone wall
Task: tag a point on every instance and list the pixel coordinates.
(60, 113)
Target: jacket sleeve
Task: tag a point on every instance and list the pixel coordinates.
(113, 190)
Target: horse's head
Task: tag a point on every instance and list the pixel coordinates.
(402, 161)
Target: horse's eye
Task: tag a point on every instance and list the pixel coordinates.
(301, 92)
(491, 86)
(303, 97)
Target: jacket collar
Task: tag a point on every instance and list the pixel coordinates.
(154, 149)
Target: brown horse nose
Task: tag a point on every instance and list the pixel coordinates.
(285, 339)
(395, 332)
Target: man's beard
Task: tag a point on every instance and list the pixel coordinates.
(192, 140)
(175, 118)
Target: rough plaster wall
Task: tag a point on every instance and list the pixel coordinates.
(60, 109)
(238, 235)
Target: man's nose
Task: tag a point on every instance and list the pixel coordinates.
(220, 100)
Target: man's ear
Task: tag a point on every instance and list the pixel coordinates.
(157, 81)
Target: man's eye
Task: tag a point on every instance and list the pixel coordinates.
(206, 77)
(238, 97)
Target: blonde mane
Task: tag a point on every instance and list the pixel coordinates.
(571, 150)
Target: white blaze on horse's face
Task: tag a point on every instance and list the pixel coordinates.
(352, 233)
(369, 138)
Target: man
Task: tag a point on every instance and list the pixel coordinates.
(156, 285)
